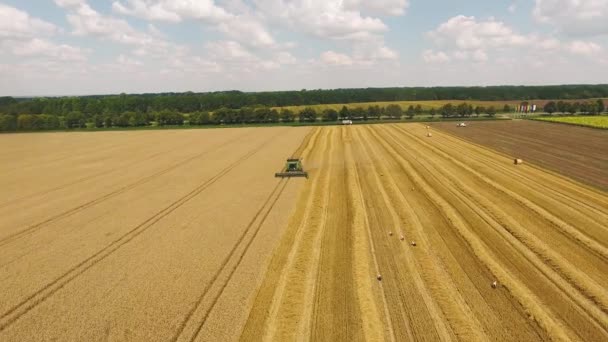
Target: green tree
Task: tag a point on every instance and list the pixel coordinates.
(330, 115)
(28, 122)
(308, 114)
(287, 115)
(418, 110)
(75, 119)
(491, 111)
(507, 109)
(433, 112)
(98, 121)
(562, 106)
(359, 113)
(550, 107)
(394, 111)
(374, 112)
(8, 122)
(344, 113)
(601, 107)
(410, 112)
(273, 116)
(447, 110)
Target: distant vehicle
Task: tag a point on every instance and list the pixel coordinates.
(293, 168)
(462, 124)
(347, 122)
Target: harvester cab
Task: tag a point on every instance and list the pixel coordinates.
(293, 168)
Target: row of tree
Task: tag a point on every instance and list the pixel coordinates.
(227, 116)
(193, 102)
(265, 115)
(588, 107)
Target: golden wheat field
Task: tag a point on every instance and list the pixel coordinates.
(395, 236)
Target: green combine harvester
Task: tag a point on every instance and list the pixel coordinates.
(293, 168)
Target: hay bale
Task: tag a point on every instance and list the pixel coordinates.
(413, 243)
(379, 277)
(517, 161)
(429, 134)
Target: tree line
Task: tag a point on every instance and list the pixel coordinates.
(267, 115)
(586, 107)
(229, 116)
(192, 102)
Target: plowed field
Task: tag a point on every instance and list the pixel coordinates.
(577, 152)
(187, 236)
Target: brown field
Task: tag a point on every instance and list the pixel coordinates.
(577, 152)
(116, 236)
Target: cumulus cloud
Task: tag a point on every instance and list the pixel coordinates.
(329, 19)
(244, 27)
(579, 17)
(36, 47)
(378, 7)
(15, 23)
(172, 10)
(467, 38)
(430, 56)
(584, 48)
(85, 21)
(335, 58)
(23, 36)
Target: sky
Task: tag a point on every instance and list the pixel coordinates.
(83, 47)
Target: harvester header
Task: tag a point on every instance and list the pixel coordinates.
(293, 168)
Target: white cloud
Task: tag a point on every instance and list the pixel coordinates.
(512, 7)
(470, 34)
(244, 27)
(128, 61)
(584, 48)
(248, 30)
(329, 19)
(580, 17)
(172, 10)
(36, 47)
(335, 58)
(379, 7)
(480, 56)
(15, 23)
(85, 21)
(430, 56)
(464, 38)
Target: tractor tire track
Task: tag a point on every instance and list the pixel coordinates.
(90, 177)
(588, 199)
(272, 296)
(272, 199)
(559, 224)
(485, 254)
(463, 196)
(33, 228)
(372, 319)
(425, 316)
(281, 185)
(533, 249)
(48, 290)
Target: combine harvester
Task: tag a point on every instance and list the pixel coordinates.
(293, 168)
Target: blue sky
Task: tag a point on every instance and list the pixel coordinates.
(74, 47)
